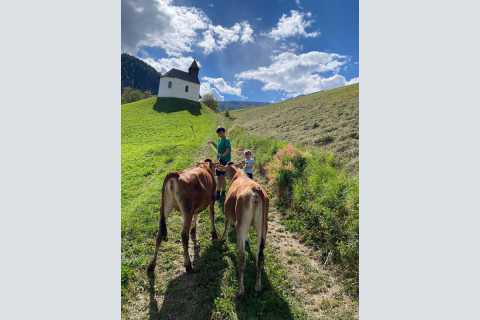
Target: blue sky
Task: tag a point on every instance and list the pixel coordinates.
(248, 50)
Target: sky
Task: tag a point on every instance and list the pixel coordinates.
(248, 50)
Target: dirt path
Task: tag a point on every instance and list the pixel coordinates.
(297, 285)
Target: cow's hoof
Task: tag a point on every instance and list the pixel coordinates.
(188, 268)
(214, 235)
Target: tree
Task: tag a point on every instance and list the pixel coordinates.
(209, 100)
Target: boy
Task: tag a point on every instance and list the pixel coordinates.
(248, 163)
(224, 150)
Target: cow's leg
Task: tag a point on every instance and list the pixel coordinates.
(187, 220)
(259, 228)
(227, 227)
(193, 228)
(242, 235)
(211, 212)
(193, 234)
(165, 209)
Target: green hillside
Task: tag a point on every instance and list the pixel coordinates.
(157, 137)
(163, 135)
(323, 120)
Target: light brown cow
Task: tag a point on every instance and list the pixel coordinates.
(246, 204)
(190, 192)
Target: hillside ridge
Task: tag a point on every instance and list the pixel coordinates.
(325, 120)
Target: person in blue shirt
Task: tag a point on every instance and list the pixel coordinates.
(248, 163)
(224, 156)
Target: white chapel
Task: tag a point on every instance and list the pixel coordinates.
(179, 84)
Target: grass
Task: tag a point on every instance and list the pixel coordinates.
(326, 120)
(318, 198)
(159, 136)
(156, 139)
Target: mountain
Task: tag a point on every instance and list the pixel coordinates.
(326, 119)
(139, 75)
(231, 105)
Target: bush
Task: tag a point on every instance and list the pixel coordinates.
(210, 101)
(132, 95)
(325, 201)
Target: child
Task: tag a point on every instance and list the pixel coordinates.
(224, 150)
(248, 163)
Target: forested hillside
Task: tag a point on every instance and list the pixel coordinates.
(139, 75)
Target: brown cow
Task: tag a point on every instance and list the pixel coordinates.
(190, 192)
(246, 204)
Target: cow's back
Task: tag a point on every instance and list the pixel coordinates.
(197, 188)
(239, 193)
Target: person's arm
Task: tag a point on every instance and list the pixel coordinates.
(213, 144)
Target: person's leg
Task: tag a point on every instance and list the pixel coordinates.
(220, 183)
(221, 186)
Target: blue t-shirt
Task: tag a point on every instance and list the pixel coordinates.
(249, 165)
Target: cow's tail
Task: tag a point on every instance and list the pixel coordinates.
(261, 213)
(162, 227)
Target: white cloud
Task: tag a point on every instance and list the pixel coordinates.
(217, 38)
(352, 81)
(206, 87)
(297, 74)
(165, 64)
(159, 23)
(219, 86)
(293, 25)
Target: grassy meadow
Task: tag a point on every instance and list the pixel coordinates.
(164, 135)
(317, 198)
(157, 137)
(326, 120)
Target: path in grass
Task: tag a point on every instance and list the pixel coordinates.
(296, 285)
(161, 137)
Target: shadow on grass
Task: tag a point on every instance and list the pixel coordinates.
(169, 105)
(267, 304)
(192, 295)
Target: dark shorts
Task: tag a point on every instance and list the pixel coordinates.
(219, 173)
(250, 175)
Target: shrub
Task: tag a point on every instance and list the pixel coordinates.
(132, 95)
(209, 100)
(325, 200)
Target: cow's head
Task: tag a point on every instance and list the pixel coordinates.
(207, 164)
(231, 169)
(210, 164)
